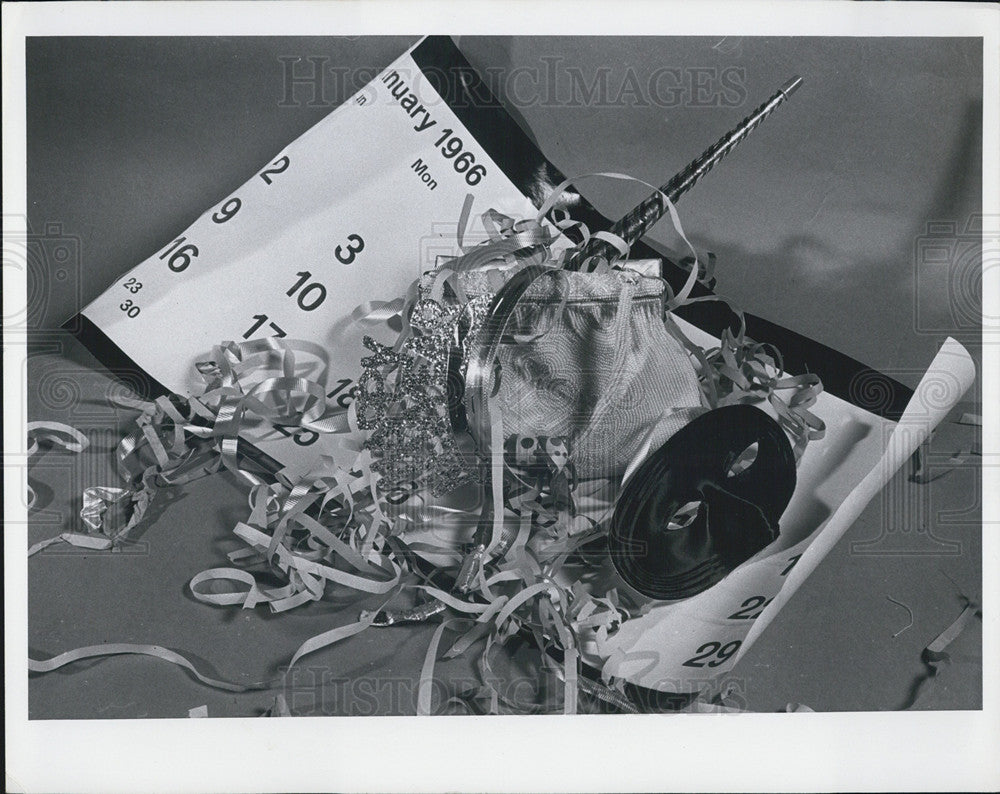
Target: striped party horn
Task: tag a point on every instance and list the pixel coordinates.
(641, 219)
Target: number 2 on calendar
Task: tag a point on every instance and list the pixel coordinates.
(751, 608)
(277, 167)
(713, 653)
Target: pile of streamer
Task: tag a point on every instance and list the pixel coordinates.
(485, 530)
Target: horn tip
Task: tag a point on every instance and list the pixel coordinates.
(791, 86)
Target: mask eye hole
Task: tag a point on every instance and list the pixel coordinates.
(743, 461)
(683, 516)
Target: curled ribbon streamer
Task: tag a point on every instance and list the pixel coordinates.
(254, 595)
(741, 370)
(525, 595)
(156, 651)
(311, 645)
(328, 638)
(935, 655)
(425, 687)
(570, 654)
(477, 632)
(56, 433)
(287, 560)
(73, 539)
(496, 697)
(616, 241)
(453, 602)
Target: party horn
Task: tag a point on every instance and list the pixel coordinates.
(641, 219)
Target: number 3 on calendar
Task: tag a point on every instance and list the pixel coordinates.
(347, 254)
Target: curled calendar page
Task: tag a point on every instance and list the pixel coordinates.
(357, 208)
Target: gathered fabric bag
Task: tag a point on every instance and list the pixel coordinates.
(586, 359)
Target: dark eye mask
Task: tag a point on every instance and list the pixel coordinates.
(738, 515)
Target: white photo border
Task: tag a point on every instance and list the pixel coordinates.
(854, 751)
